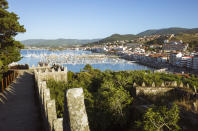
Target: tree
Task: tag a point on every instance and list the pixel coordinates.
(160, 118)
(9, 28)
(88, 67)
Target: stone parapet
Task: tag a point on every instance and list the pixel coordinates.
(48, 73)
(75, 116)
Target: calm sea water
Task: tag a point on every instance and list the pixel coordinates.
(32, 57)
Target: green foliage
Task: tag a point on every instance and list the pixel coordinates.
(114, 37)
(88, 68)
(168, 31)
(160, 118)
(109, 94)
(10, 27)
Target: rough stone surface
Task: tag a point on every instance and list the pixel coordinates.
(46, 98)
(75, 116)
(51, 113)
(58, 124)
(187, 86)
(174, 84)
(152, 90)
(153, 84)
(181, 85)
(195, 89)
(163, 85)
(134, 84)
(143, 84)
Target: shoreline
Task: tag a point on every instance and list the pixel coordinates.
(157, 66)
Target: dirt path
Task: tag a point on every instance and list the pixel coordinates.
(20, 112)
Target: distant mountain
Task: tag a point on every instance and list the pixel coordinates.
(165, 31)
(56, 42)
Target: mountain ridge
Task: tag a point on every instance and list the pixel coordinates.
(114, 37)
(165, 31)
(56, 42)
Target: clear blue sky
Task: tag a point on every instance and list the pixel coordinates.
(88, 19)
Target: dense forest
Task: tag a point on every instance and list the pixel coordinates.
(111, 104)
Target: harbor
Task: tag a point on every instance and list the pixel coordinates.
(76, 60)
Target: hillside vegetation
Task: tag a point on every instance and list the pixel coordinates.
(113, 38)
(168, 31)
(192, 39)
(110, 99)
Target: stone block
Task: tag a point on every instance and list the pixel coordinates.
(46, 98)
(174, 84)
(162, 85)
(181, 85)
(195, 89)
(134, 84)
(153, 84)
(58, 124)
(187, 86)
(75, 116)
(51, 113)
(143, 84)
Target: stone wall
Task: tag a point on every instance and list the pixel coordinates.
(152, 90)
(45, 73)
(75, 116)
(163, 88)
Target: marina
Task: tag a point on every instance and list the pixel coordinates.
(76, 60)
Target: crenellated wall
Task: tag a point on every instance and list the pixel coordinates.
(163, 88)
(45, 73)
(75, 116)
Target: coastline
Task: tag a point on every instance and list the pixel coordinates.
(157, 66)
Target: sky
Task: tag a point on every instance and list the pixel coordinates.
(90, 19)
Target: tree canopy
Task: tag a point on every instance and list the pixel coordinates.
(9, 28)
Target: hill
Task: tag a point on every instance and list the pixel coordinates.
(192, 39)
(115, 37)
(56, 42)
(166, 31)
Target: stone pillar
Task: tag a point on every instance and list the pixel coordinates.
(58, 124)
(46, 98)
(187, 86)
(153, 84)
(143, 84)
(162, 85)
(195, 89)
(75, 116)
(181, 85)
(174, 84)
(134, 84)
(44, 86)
(51, 113)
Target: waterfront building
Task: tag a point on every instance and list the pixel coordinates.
(195, 62)
(186, 61)
(175, 58)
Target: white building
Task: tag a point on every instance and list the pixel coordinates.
(175, 58)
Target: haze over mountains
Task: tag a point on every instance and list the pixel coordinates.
(114, 37)
(56, 42)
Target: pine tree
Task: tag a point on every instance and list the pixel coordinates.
(9, 28)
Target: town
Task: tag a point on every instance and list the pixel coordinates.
(170, 54)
